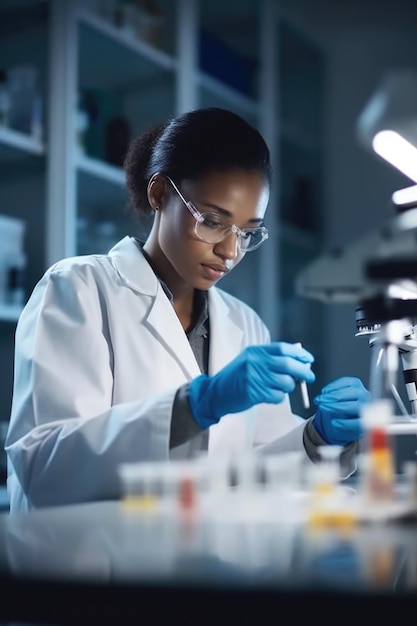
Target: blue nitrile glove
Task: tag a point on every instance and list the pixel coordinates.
(337, 419)
(258, 374)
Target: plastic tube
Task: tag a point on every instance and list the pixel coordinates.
(378, 463)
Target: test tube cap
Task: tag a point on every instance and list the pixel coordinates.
(378, 412)
(329, 452)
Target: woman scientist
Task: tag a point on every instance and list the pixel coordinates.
(137, 355)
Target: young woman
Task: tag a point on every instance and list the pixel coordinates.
(138, 355)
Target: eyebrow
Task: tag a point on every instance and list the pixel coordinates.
(218, 209)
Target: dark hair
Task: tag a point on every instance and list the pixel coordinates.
(191, 145)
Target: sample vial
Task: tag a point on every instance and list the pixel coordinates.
(328, 504)
(378, 463)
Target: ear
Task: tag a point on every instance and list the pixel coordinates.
(157, 191)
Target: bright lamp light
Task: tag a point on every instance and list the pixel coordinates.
(388, 123)
(392, 147)
(405, 197)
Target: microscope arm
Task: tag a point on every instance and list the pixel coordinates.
(364, 268)
(408, 354)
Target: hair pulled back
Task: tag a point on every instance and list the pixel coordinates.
(191, 145)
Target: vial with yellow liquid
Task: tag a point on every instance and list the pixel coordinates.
(328, 505)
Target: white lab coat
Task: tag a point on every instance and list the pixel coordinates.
(100, 354)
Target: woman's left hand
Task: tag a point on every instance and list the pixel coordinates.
(337, 419)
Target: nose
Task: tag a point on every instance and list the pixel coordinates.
(228, 248)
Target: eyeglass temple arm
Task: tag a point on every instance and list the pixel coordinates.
(195, 212)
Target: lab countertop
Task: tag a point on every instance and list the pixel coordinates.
(109, 555)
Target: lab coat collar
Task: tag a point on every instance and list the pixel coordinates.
(225, 332)
(234, 431)
(133, 268)
(135, 271)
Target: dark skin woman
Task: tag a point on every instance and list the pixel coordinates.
(139, 355)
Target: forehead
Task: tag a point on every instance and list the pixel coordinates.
(231, 190)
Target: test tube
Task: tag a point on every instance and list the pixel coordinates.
(188, 485)
(139, 485)
(330, 464)
(410, 473)
(378, 461)
(303, 387)
(328, 505)
(283, 472)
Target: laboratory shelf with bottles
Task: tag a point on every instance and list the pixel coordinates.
(124, 84)
(23, 159)
(23, 67)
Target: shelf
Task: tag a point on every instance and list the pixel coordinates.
(21, 156)
(15, 145)
(9, 312)
(102, 170)
(111, 59)
(232, 98)
(101, 186)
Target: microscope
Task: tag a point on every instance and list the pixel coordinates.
(378, 273)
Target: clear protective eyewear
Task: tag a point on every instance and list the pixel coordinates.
(211, 229)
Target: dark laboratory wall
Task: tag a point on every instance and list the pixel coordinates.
(361, 42)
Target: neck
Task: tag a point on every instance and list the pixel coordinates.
(184, 308)
(182, 294)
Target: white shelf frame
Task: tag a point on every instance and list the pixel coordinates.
(61, 173)
(187, 46)
(240, 101)
(100, 169)
(136, 45)
(21, 141)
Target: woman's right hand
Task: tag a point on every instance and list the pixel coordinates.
(264, 373)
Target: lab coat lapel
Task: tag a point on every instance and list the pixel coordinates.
(225, 334)
(234, 432)
(166, 326)
(161, 318)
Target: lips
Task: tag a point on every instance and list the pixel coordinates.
(214, 271)
(217, 268)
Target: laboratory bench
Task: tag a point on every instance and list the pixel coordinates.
(87, 563)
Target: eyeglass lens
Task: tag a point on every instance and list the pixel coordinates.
(212, 231)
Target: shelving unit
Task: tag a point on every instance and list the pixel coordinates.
(107, 42)
(215, 93)
(15, 146)
(81, 52)
(23, 160)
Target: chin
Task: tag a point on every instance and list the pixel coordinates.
(204, 285)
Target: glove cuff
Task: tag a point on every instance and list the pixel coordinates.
(317, 424)
(199, 401)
